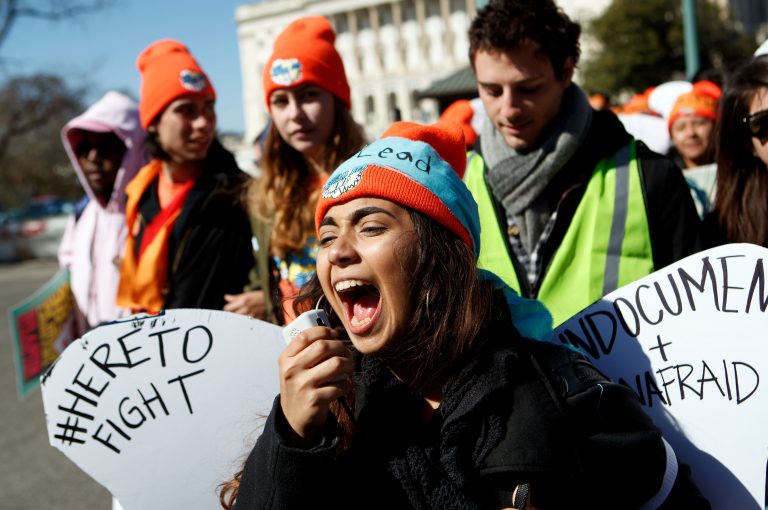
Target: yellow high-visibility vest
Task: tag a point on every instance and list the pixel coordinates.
(606, 246)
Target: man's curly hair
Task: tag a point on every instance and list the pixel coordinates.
(504, 25)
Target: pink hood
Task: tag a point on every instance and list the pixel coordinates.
(120, 114)
(93, 245)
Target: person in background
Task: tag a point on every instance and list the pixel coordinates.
(599, 101)
(692, 126)
(189, 240)
(312, 131)
(638, 103)
(571, 206)
(425, 393)
(740, 210)
(643, 123)
(105, 147)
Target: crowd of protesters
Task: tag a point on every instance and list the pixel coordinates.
(442, 254)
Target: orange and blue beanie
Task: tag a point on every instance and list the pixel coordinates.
(416, 166)
(168, 71)
(304, 52)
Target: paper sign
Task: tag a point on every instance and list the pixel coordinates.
(39, 330)
(162, 409)
(691, 341)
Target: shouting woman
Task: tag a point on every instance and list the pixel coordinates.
(426, 394)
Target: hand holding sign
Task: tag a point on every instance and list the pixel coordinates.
(690, 341)
(157, 408)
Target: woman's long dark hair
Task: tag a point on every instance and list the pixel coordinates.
(451, 307)
(741, 201)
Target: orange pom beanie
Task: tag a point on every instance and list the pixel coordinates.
(416, 166)
(304, 53)
(461, 112)
(168, 71)
(701, 101)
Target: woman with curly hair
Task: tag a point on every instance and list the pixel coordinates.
(311, 133)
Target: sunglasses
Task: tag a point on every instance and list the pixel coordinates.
(757, 123)
(106, 145)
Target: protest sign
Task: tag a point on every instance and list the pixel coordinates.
(39, 330)
(161, 409)
(690, 341)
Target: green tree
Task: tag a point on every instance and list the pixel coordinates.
(640, 44)
(33, 109)
(32, 161)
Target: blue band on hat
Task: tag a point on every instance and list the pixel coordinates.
(421, 163)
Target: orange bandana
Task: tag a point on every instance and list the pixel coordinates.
(142, 278)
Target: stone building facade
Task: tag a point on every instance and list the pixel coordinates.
(391, 49)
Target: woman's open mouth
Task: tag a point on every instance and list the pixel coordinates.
(362, 304)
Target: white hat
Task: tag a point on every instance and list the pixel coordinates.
(663, 97)
(649, 129)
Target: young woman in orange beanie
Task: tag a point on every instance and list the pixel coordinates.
(426, 393)
(189, 236)
(312, 131)
(692, 126)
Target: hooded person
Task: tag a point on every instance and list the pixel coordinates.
(104, 145)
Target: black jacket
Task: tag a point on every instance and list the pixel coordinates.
(672, 218)
(518, 412)
(209, 251)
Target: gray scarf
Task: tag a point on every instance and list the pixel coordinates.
(518, 179)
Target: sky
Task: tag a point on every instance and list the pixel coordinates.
(99, 50)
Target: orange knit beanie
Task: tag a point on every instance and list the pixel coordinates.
(416, 166)
(701, 101)
(168, 71)
(304, 53)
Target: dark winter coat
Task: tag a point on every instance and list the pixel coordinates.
(518, 412)
(209, 251)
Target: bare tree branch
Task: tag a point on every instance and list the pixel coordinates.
(56, 10)
(32, 111)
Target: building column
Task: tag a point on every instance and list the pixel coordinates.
(445, 14)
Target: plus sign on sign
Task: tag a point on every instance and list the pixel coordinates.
(691, 341)
(162, 409)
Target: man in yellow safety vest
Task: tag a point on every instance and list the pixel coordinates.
(571, 206)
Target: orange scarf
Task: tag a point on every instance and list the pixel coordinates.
(143, 278)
